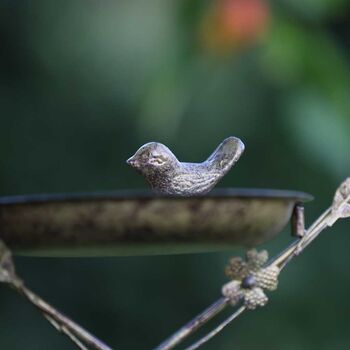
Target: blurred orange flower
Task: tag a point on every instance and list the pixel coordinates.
(231, 24)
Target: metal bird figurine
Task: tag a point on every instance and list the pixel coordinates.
(166, 174)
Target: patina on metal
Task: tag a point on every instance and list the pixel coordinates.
(128, 223)
(166, 174)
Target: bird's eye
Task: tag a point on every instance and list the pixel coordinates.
(157, 160)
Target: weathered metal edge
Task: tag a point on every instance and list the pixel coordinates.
(147, 194)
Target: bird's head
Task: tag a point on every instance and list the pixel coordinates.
(153, 159)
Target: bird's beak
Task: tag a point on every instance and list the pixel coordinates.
(132, 162)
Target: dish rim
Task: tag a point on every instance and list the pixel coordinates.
(139, 194)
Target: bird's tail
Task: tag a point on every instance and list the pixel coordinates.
(226, 154)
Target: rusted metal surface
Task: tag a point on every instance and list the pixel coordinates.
(127, 223)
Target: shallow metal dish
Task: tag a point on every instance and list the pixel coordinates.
(134, 222)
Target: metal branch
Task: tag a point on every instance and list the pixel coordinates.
(195, 324)
(62, 323)
(62, 329)
(217, 330)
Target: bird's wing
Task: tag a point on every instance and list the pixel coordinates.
(195, 182)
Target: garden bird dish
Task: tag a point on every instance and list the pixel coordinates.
(140, 223)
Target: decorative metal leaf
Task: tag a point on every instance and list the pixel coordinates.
(341, 202)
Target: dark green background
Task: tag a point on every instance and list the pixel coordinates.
(84, 83)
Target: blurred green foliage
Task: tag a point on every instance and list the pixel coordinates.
(84, 83)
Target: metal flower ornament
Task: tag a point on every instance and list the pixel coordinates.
(250, 279)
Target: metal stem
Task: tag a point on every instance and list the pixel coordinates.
(194, 324)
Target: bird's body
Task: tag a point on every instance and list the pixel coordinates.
(166, 174)
(188, 179)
